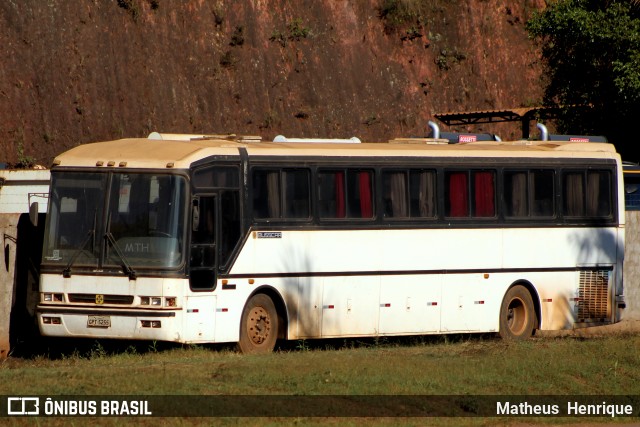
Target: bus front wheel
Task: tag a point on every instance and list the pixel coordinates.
(259, 325)
(517, 316)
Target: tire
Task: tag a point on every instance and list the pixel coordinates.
(517, 316)
(259, 326)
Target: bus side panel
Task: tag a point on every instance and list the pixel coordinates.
(470, 302)
(410, 304)
(554, 262)
(305, 318)
(472, 259)
(350, 306)
(199, 315)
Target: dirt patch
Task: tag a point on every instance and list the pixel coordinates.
(631, 326)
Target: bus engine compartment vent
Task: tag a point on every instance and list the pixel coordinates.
(594, 296)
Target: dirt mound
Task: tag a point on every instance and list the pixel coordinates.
(76, 72)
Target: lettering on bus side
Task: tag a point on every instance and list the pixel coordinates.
(269, 235)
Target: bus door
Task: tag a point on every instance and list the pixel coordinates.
(200, 305)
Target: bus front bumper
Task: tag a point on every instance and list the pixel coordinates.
(108, 323)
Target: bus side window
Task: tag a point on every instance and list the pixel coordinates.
(484, 193)
(229, 224)
(516, 194)
(296, 193)
(456, 194)
(359, 195)
(470, 193)
(205, 233)
(528, 193)
(422, 193)
(394, 194)
(412, 198)
(281, 194)
(216, 177)
(346, 194)
(573, 193)
(266, 194)
(598, 193)
(202, 261)
(542, 191)
(331, 193)
(587, 193)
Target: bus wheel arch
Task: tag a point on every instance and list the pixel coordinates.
(519, 311)
(263, 321)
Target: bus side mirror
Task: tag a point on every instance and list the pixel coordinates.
(195, 215)
(33, 214)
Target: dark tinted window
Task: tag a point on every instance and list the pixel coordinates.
(345, 193)
(528, 193)
(217, 176)
(281, 194)
(587, 193)
(409, 194)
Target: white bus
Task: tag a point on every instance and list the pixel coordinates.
(221, 240)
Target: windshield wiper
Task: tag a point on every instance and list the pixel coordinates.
(67, 270)
(125, 264)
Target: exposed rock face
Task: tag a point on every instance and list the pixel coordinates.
(86, 70)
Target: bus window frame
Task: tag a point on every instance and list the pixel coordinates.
(530, 217)
(281, 219)
(471, 188)
(373, 170)
(584, 171)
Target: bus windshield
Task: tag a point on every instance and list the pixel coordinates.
(113, 219)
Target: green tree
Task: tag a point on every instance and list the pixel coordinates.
(591, 51)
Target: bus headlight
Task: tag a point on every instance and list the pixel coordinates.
(51, 297)
(150, 324)
(158, 301)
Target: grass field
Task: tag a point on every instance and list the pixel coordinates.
(458, 365)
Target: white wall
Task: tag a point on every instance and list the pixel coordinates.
(632, 266)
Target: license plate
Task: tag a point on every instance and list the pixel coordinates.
(99, 322)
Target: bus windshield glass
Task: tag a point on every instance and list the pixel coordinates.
(97, 220)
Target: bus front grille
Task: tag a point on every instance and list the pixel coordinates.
(594, 296)
(101, 299)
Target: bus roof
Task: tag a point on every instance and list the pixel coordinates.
(150, 153)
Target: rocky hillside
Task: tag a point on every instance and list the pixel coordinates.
(86, 70)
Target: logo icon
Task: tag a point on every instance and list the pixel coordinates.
(99, 299)
(23, 406)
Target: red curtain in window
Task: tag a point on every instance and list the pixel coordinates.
(340, 206)
(484, 194)
(366, 208)
(458, 194)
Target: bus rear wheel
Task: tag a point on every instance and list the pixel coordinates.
(259, 325)
(517, 316)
